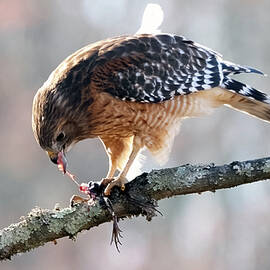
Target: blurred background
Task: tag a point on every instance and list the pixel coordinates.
(221, 230)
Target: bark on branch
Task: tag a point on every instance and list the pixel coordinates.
(41, 225)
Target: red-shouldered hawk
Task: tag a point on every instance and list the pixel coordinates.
(132, 92)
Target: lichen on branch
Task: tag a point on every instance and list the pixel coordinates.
(42, 225)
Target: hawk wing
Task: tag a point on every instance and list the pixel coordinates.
(154, 68)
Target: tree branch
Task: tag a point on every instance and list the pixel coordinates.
(42, 225)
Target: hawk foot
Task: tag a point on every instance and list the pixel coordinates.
(119, 181)
(105, 181)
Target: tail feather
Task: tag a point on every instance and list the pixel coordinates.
(232, 68)
(245, 90)
(247, 99)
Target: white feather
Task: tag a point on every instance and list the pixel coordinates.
(152, 19)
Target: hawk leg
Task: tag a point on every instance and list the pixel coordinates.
(121, 178)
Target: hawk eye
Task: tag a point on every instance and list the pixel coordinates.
(60, 137)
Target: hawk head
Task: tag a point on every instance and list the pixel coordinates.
(60, 114)
(54, 129)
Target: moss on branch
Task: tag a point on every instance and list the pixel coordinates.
(42, 225)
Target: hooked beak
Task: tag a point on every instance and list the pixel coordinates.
(59, 159)
(53, 156)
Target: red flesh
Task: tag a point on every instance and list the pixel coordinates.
(62, 162)
(62, 166)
